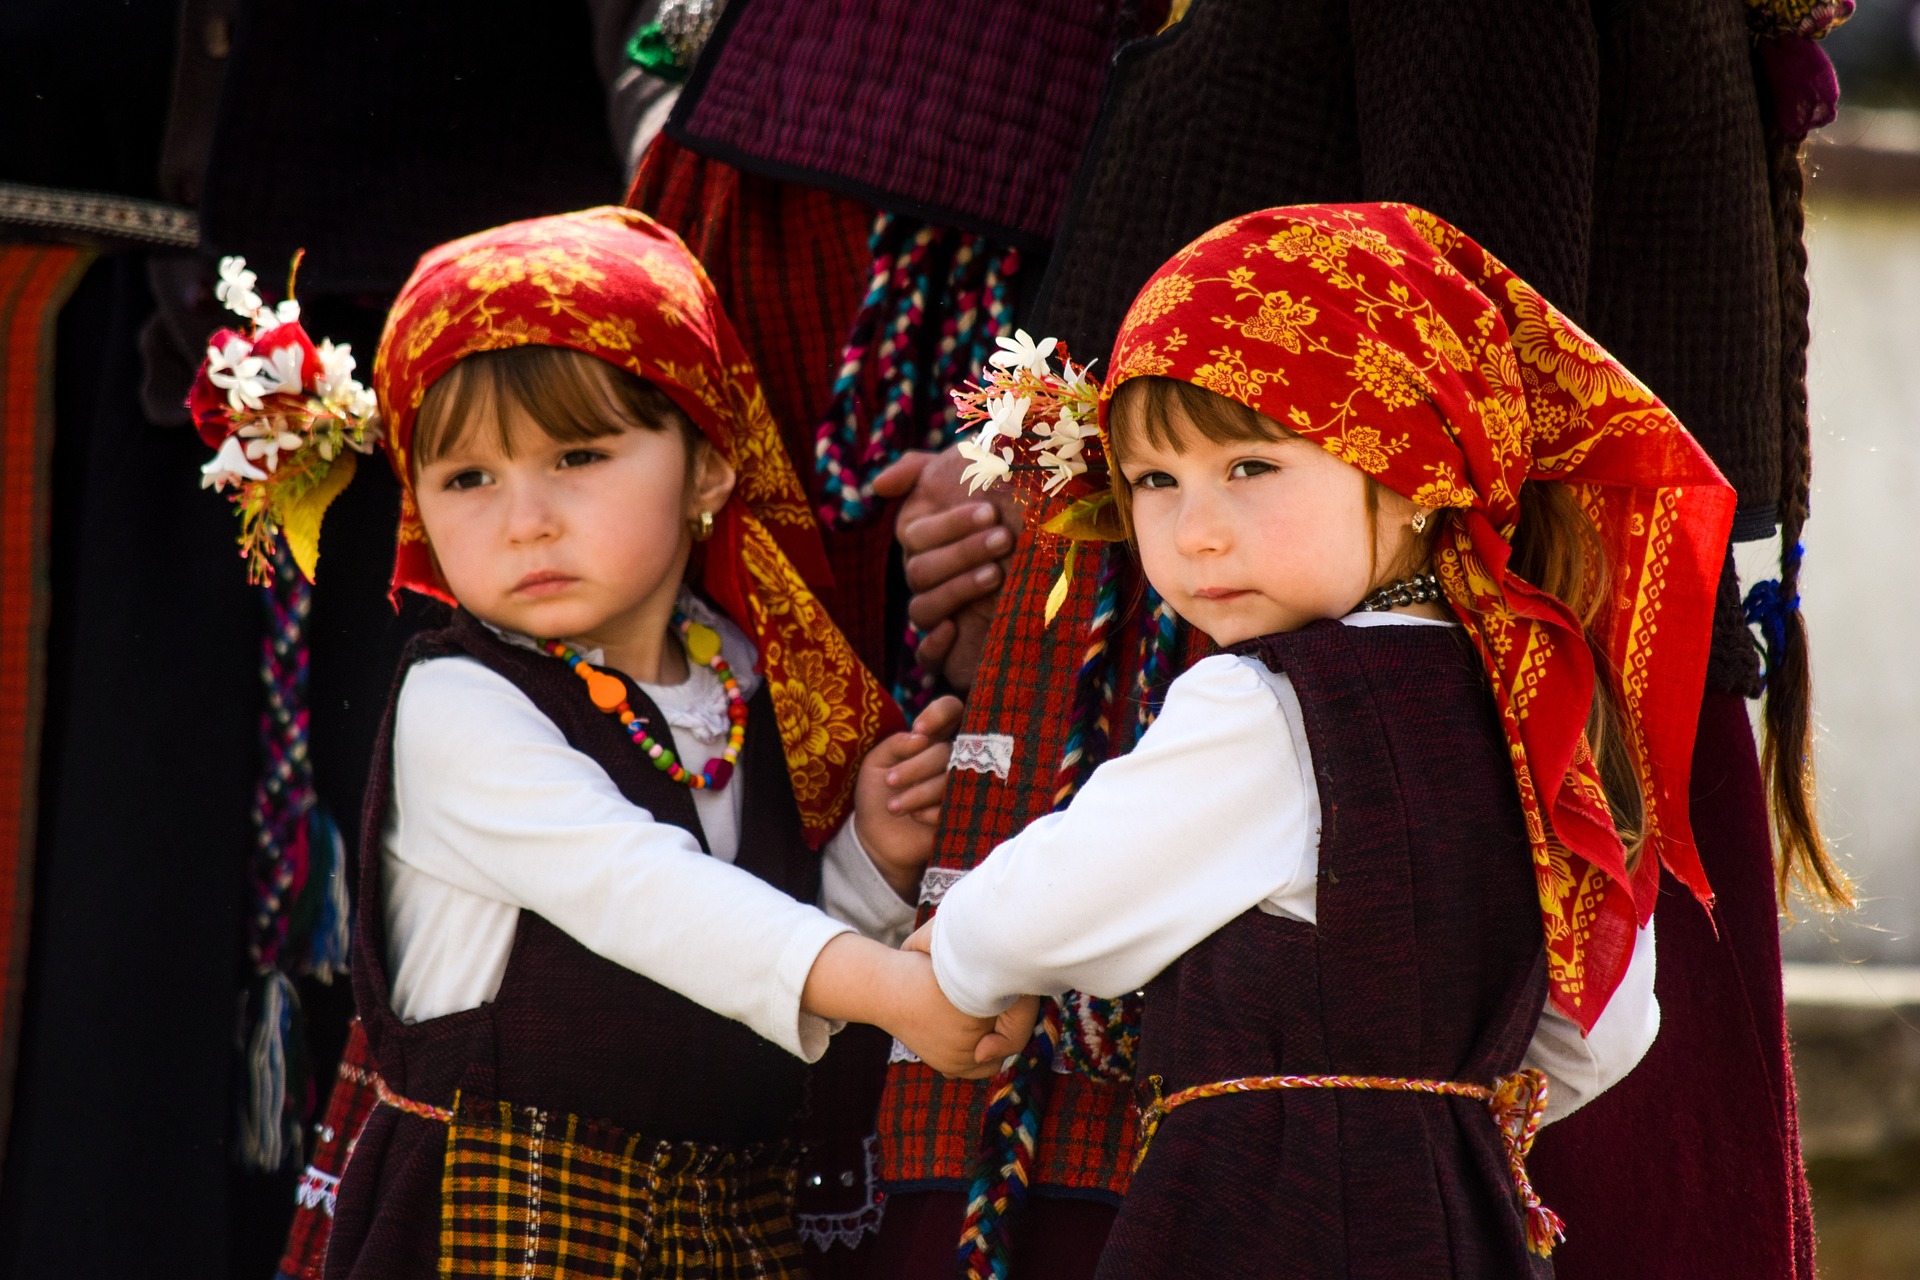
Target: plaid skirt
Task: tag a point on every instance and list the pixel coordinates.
(531, 1193)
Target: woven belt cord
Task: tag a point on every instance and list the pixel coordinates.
(426, 1111)
(1517, 1103)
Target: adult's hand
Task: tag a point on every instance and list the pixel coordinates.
(953, 544)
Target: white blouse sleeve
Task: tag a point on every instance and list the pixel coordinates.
(489, 798)
(1581, 1068)
(1206, 817)
(853, 891)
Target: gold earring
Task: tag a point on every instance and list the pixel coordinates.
(1420, 520)
(703, 527)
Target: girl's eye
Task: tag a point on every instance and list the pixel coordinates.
(1249, 468)
(468, 479)
(1153, 480)
(581, 458)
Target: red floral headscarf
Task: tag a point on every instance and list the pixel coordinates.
(615, 284)
(1407, 350)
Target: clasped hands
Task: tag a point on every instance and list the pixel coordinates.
(897, 801)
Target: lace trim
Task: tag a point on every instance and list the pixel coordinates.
(824, 1230)
(983, 753)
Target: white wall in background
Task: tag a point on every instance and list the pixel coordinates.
(1861, 580)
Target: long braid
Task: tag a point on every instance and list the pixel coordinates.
(1787, 756)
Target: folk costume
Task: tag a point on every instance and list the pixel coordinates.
(1368, 1116)
(1652, 190)
(872, 225)
(601, 1071)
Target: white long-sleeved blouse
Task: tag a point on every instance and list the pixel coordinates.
(494, 813)
(1088, 899)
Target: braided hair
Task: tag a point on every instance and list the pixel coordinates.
(1787, 751)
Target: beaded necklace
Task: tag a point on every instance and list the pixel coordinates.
(610, 695)
(1421, 589)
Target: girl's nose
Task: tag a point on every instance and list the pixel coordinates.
(531, 514)
(1202, 527)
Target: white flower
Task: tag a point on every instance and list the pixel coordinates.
(268, 438)
(282, 372)
(235, 368)
(1006, 416)
(265, 317)
(987, 467)
(235, 289)
(1022, 352)
(336, 369)
(1075, 381)
(361, 403)
(1065, 466)
(229, 466)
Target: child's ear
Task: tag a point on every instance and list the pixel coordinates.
(713, 478)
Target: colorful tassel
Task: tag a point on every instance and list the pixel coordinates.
(298, 923)
(935, 301)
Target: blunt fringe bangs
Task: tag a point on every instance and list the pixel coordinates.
(1151, 409)
(574, 397)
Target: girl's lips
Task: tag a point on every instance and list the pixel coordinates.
(1219, 593)
(544, 582)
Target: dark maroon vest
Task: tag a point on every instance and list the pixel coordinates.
(1426, 962)
(569, 1031)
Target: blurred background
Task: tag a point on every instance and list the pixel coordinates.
(1853, 984)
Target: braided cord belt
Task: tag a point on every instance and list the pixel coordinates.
(1517, 1102)
(426, 1111)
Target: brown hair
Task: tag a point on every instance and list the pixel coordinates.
(1555, 547)
(1786, 756)
(574, 397)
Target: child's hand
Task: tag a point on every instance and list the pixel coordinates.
(855, 979)
(896, 802)
(1011, 1030)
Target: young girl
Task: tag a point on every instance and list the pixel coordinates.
(1462, 564)
(586, 958)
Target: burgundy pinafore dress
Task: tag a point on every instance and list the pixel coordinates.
(1427, 962)
(587, 1121)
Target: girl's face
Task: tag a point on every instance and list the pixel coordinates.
(1249, 537)
(583, 541)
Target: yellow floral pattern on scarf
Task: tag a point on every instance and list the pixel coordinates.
(1399, 345)
(614, 284)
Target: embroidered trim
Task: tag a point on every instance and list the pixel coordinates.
(86, 212)
(983, 753)
(824, 1230)
(317, 1190)
(935, 883)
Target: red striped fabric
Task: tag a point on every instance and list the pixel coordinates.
(35, 281)
(790, 264)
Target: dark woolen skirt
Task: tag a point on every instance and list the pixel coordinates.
(1691, 1166)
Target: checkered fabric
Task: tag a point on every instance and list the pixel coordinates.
(790, 264)
(532, 1193)
(929, 1126)
(348, 1106)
